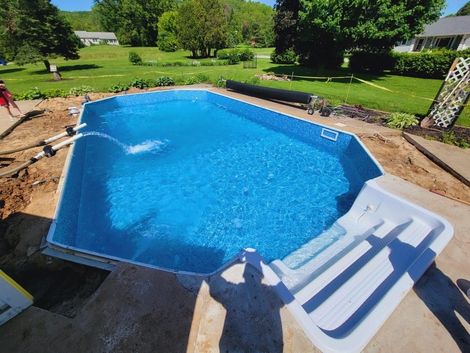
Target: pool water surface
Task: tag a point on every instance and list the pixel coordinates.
(197, 176)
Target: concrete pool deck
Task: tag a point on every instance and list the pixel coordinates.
(25, 106)
(142, 310)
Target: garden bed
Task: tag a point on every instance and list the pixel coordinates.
(457, 136)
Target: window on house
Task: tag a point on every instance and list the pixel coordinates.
(419, 44)
(444, 42)
(456, 42)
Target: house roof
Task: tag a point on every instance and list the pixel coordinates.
(448, 26)
(95, 35)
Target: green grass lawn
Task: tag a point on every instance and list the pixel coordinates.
(103, 66)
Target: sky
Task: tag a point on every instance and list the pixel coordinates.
(84, 5)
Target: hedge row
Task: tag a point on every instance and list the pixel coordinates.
(235, 55)
(430, 64)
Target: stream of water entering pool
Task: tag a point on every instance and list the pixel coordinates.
(146, 146)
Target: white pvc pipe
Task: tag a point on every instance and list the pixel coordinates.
(66, 142)
(63, 134)
(59, 146)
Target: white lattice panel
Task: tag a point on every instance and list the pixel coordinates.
(453, 95)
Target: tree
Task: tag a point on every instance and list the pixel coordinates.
(135, 22)
(464, 10)
(285, 24)
(83, 20)
(33, 30)
(328, 28)
(202, 26)
(167, 31)
(249, 22)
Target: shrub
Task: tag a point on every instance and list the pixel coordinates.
(426, 64)
(164, 81)
(80, 91)
(221, 82)
(374, 62)
(401, 120)
(287, 57)
(234, 56)
(202, 78)
(36, 93)
(450, 138)
(167, 42)
(120, 87)
(33, 93)
(135, 58)
(246, 54)
(192, 80)
(223, 54)
(54, 93)
(140, 83)
(253, 81)
(214, 63)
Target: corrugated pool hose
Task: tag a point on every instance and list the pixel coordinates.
(48, 150)
(70, 131)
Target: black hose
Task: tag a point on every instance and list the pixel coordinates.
(15, 170)
(23, 148)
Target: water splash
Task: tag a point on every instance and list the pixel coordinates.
(146, 146)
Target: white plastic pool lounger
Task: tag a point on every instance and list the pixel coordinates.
(343, 296)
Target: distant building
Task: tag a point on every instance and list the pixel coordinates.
(448, 32)
(95, 38)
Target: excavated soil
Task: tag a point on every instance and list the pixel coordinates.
(27, 204)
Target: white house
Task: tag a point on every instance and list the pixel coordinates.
(448, 32)
(94, 38)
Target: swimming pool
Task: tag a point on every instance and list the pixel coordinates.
(183, 180)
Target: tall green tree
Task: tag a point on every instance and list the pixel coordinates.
(286, 24)
(202, 26)
(168, 31)
(328, 28)
(83, 20)
(464, 10)
(249, 22)
(34, 30)
(135, 22)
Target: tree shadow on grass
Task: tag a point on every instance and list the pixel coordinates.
(445, 300)
(10, 71)
(66, 68)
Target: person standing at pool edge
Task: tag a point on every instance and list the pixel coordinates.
(6, 99)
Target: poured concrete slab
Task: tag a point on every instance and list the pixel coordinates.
(6, 121)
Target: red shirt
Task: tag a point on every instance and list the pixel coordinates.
(5, 96)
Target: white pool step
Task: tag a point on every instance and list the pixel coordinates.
(350, 295)
(357, 253)
(341, 295)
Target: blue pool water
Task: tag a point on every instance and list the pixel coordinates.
(194, 177)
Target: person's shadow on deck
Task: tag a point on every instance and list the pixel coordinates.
(445, 300)
(253, 321)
